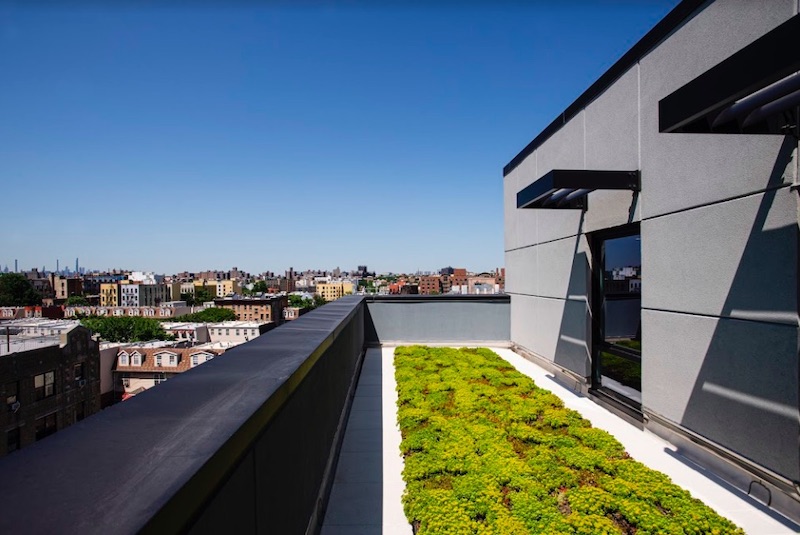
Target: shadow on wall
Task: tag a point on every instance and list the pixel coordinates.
(356, 499)
(574, 346)
(745, 396)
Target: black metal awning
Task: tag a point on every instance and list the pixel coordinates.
(754, 91)
(568, 188)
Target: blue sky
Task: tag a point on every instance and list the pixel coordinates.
(261, 135)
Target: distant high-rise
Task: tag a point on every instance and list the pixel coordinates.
(76, 265)
(16, 267)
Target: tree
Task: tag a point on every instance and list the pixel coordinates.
(260, 287)
(126, 328)
(189, 298)
(77, 301)
(17, 291)
(300, 301)
(203, 295)
(318, 301)
(209, 315)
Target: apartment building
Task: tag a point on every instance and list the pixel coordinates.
(430, 285)
(258, 309)
(331, 291)
(233, 333)
(65, 287)
(109, 294)
(46, 383)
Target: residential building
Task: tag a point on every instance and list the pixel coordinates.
(330, 291)
(109, 294)
(429, 285)
(446, 283)
(227, 287)
(292, 313)
(47, 383)
(65, 287)
(165, 310)
(140, 368)
(459, 277)
(153, 295)
(259, 309)
(234, 333)
(188, 332)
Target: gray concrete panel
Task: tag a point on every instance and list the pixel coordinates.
(556, 224)
(523, 318)
(564, 150)
(607, 208)
(731, 381)
(734, 259)
(683, 170)
(554, 329)
(562, 270)
(439, 319)
(519, 225)
(612, 126)
(521, 271)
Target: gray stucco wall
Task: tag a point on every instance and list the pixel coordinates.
(467, 319)
(719, 235)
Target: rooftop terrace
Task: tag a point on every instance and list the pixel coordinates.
(293, 432)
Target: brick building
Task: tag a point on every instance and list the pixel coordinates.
(259, 309)
(430, 285)
(47, 383)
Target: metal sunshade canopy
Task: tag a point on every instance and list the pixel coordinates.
(754, 91)
(568, 188)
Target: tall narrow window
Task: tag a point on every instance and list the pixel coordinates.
(617, 301)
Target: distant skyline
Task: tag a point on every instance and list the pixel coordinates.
(260, 135)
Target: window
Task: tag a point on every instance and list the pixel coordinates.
(159, 378)
(11, 390)
(78, 370)
(617, 303)
(123, 359)
(12, 439)
(45, 426)
(158, 361)
(237, 332)
(195, 360)
(126, 381)
(44, 385)
(173, 360)
(136, 359)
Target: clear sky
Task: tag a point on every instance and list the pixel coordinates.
(199, 135)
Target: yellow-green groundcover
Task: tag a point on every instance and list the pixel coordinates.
(487, 451)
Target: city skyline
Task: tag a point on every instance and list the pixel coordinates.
(172, 138)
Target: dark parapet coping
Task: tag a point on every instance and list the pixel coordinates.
(154, 462)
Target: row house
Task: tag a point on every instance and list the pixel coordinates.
(166, 310)
(138, 369)
(237, 332)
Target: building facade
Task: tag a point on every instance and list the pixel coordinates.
(47, 388)
(430, 285)
(651, 247)
(109, 294)
(258, 309)
(138, 369)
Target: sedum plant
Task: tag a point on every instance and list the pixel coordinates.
(488, 452)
